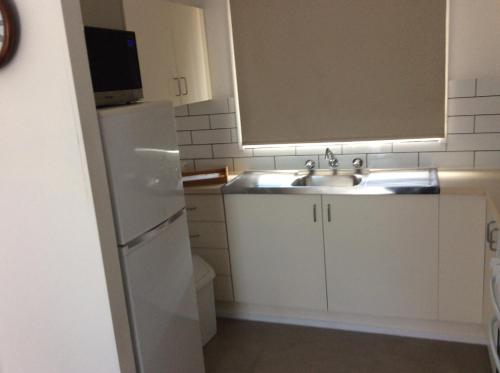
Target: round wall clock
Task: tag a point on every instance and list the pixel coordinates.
(6, 32)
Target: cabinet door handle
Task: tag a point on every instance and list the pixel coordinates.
(195, 236)
(489, 235)
(186, 89)
(329, 212)
(179, 93)
(314, 213)
(491, 241)
(191, 208)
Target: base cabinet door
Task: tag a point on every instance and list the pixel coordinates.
(276, 249)
(462, 222)
(382, 255)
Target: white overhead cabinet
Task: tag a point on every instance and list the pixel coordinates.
(172, 50)
(381, 255)
(277, 255)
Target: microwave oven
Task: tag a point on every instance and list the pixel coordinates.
(114, 66)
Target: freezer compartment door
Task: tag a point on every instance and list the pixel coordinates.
(142, 160)
(162, 302)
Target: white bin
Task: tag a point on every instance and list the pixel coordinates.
(204, 282)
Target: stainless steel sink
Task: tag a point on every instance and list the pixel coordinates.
(367, 182)
(338, 181)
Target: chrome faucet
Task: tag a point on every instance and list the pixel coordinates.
(310, 164)
(332, 161)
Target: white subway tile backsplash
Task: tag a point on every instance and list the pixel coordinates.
(234, 135)
(357, 148)
(473, 138)
(216, 106)
(183, 137)
(195, 151)
(393, 160)
(345, 161)
(285, 150)
(487, 160)
(181, 111)
(255, 163)
(212, 136)
(487, 123)
(482, 141)
(419, 146)
(294, 162)
(223, 120)
(318, 150)
(488, 87)
(474, 106)
(462, 88)
(187, 165)
(230, 150)
(461, 124)
(208, 164)
(447, 160)
(192, 123)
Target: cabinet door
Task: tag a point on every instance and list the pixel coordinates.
(489, 253)
(461, 257)
(276, 250)
(382, 255)
(151, 20)
(191, 53)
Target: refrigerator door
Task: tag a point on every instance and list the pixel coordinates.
(162, 304)
(142, 160)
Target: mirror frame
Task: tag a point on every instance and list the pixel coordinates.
(8, 24)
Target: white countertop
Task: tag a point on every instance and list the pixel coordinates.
(475, 182)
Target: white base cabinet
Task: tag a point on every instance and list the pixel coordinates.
(398, 257)
(462, 222)
(381, 255)
(208, 236)
(277, 255)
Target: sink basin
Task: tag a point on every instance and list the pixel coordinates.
(339, 181)
(365, 182)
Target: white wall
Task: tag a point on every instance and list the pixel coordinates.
(56, 312)
(219, 51)
(474, 37)
(103, 13)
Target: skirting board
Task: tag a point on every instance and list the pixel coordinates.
(436, 330)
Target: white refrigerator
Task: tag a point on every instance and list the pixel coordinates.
(142, 160)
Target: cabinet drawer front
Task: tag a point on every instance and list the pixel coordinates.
(208, 234)
(223, 289)
(204, 207)
(217, 258)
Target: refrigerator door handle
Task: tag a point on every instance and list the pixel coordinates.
(149, 235)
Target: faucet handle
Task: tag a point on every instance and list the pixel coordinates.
(333, 162)
(357, 163)
(310, 164)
